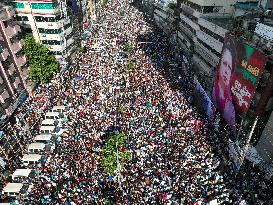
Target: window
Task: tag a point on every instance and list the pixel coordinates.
(52, 42)
(55, 52)
(50, 31)
(47, 19)
(21, 18)
(17, 5)
(43, 5)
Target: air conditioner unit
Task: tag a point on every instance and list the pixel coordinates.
(43, 35)
(50, 24)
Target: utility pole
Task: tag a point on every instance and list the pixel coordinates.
(118, 167)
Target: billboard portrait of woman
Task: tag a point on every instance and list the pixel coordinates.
(222, 83)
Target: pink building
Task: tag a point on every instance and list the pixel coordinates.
(12, 70)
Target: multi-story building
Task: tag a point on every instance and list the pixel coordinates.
(200, 34)
(12, 69)
(50, 22)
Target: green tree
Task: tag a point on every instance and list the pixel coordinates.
(42, 65)
(104, 3)
(172, 5)
(109, 160)
(128, 48)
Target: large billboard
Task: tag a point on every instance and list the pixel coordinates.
(236, 78)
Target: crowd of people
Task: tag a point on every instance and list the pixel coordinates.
(174, 151)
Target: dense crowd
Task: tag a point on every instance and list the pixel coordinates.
(172, 147)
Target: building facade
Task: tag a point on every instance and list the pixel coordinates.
(12, 66)
(200, 34)
(50, 22)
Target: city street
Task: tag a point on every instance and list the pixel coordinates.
(145, 95)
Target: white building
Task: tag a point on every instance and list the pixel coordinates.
(49, 22)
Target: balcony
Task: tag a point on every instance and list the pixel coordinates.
(17, 82)
(11, 69)
(17, 46)
(20, 61)
(210, 41)
(183, 36)
(4, 54)
(189, 22)
(202, 66)
(11, 11)
(17, 29)
(9, 31)
(161, 14)
(212, 27)
(185, 30)
(6, 13)
(4, 95)
(206, 54)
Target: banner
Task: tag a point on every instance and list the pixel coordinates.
(236, 78)
(234, 156)
(203, 101)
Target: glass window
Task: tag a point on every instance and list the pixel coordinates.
(25, 18)
(18, 18)
(41, 30)
(42, 5)
(39, 18)
(50, 31)
(51, 19)
(17, 5)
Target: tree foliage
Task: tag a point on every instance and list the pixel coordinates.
(128, 48)
(104, 3)
(42, 65)
(172, 5)
(109, 160)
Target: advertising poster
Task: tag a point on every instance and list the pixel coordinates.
(203, 101)
(236, 79)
